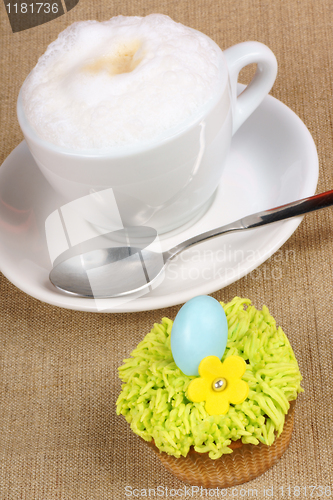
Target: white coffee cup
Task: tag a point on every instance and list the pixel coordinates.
(170, 180)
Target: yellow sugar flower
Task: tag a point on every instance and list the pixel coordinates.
(219, 384)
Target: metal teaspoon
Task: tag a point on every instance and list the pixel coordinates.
(123, 262)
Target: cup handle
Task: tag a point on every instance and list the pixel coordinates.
(239, 56)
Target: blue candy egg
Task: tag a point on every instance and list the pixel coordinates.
(200, 329)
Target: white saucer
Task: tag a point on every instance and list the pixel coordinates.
(273, 160)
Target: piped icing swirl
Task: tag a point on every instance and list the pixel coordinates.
(154, 394)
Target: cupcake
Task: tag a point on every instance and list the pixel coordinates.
(213, 393)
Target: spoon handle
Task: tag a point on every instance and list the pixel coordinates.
(293, 209)
(289, 210)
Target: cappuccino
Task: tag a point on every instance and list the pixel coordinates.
(125, 81)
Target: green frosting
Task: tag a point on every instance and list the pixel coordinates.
(153, 397)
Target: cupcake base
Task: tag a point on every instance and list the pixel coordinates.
(246, 462)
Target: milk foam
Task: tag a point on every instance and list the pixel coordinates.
(119, 82)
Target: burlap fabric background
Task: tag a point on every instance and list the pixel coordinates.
(60, 437)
